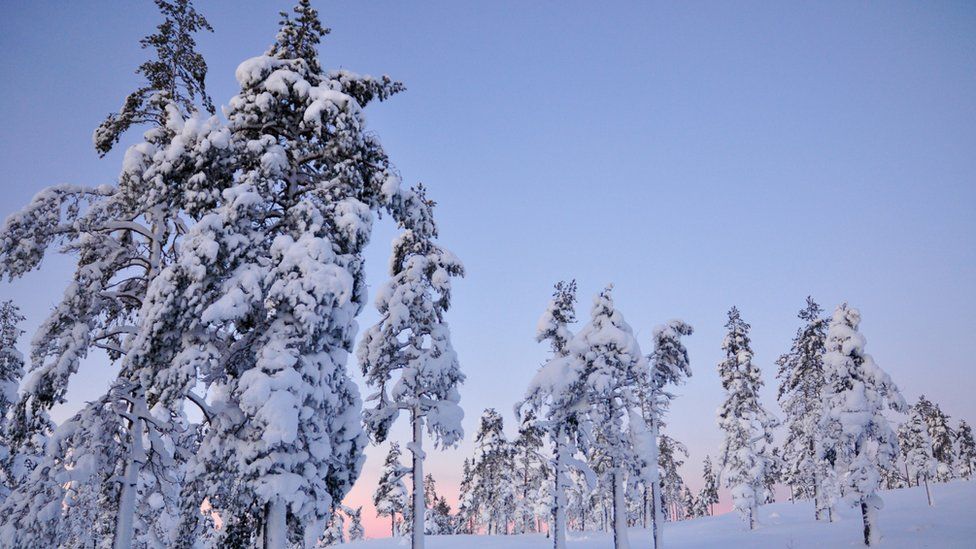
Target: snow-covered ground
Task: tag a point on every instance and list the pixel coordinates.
(906, 522)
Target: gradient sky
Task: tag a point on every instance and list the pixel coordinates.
(698, 155)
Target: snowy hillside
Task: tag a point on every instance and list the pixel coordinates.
(906, 522)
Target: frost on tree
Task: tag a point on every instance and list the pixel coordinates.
(669, 365)
(965, 451)
(916, 448)
(942, 437)
(262, 300)
(466, 520)
(746, 454)
(493, 470)
(671, 457)
(437, 518)
(390, 498)
(858, 438)
(11, 372)
(612, 366)
(709, 493)
(122, 236)
(407, 357)
(801, 375)
(554, 399)
(531, 478)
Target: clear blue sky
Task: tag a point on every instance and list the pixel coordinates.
(696, 154)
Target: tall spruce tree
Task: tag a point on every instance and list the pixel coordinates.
(801, 378)
(407, 356)
(858, 438)
(747, 449)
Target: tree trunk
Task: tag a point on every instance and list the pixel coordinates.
(620, 540)
(928, 494)
(866, 517)
(275, 534)
(559, 497)
(417, 536)
(752, 518)
(656, 519)
(127, 495)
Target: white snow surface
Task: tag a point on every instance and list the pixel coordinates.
(905, 522)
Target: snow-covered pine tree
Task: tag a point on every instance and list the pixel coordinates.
(390, 498)
(407, 356)
(800, 394)
(701, 504)
(11, 372)
(531, 474)
(493, 492)
(123, 236)
(432, 523)
(444, 520)
(746, 450)
(671, 457)
(774, 474)
(437, 519)
(335, 532)
(612, 369)
(965, 451)
(669, 365)
(858, 439)
(356, 531)
(709, 493)
(942, 437)
(690, 505)
(553, 399)
(262, 301)
(916, 448)
(466, 520)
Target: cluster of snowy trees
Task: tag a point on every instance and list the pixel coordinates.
(600, 403)
(391, 500)
(220, 279)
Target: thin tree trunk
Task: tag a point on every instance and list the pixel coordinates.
(127, 495)
(417, 536)
(908, 478)
(927, 493)
(559, 497)
(275, 534)
(620, 540)
(656, 519)
(866, 517)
